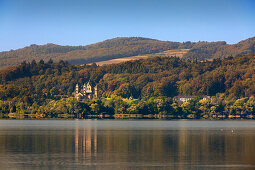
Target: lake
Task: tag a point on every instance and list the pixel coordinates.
(127, 144)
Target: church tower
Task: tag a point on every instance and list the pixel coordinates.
(96, 91)
(77, 89)
(84, 89)
(89, 88)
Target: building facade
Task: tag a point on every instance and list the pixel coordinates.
(86, 91)
(187, 98)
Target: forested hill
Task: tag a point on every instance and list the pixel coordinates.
(157, 76)
(206, 50)
(109, 49)
(123, 47)
(44, 89)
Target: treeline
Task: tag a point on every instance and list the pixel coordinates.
(155, 107)
(27, 69)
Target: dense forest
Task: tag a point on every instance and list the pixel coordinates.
(206, 50)
(44, 89)
(123, 47)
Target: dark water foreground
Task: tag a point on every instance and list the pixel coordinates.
(86, 144)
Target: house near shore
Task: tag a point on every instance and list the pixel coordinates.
(86, 92)
(187, 98)
(132, 98)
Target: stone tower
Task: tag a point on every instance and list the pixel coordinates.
(84, 89)
(95, 91)
(77, 89)
(89, 88)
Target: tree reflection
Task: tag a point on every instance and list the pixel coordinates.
(180, 148)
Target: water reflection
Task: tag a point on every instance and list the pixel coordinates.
(80, 146)
(85, 143)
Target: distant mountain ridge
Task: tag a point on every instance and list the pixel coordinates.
(124, 47)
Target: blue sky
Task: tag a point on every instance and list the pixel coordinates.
(82, 22)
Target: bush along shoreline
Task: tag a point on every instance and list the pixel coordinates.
(216, 108)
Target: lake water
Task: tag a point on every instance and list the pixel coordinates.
(105, 144)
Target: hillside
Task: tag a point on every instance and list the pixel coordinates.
(44, 89)
(167, 53)
(205, 50)
(157, 76)
(125, 47)
(106, 50)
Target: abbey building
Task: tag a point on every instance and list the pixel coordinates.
(86, 91)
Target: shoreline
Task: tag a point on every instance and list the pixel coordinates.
(237, 119)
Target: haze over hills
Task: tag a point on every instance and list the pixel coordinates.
(122, 47)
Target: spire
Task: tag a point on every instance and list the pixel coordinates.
(77, 89)
(84, 89)
(96, 91)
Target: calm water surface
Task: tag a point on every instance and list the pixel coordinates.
(86, 144)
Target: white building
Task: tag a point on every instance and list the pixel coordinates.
(87, 91)
(187, 98)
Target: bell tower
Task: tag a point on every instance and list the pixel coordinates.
(89, 88)
(96, 91)
(77, 89)
(84, 89)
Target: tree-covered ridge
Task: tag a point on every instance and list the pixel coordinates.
(155, 76)
(122, 47)
(205, 50)
(109, 49)
(158, 76)
(44, 89)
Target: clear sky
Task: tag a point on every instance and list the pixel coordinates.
(82, 22)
